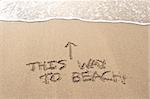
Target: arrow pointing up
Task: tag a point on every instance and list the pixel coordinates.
(70, 44)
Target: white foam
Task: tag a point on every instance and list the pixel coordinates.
(126, 11)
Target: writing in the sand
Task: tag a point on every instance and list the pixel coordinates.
(93, 69)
